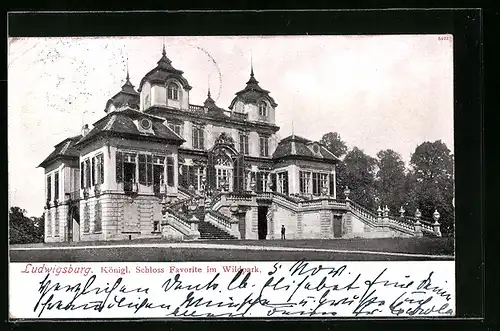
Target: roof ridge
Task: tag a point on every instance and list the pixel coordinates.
(110, 123)
(65, 148)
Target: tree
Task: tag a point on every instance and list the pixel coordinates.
(391, 180)
(358, 173)
(432, 181)
(334, 143)
(23, 229)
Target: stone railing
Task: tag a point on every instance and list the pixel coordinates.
(402, 222)
(220, 220)
(196, 108)
(177, 217)
(237, 196)
(363, 211)
(216, 198)
(240, 116)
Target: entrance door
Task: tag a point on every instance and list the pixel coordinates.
(337, 226)
(242, 225)
(157, 178)
(262, 222)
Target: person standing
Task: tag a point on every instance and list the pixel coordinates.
(283, 230)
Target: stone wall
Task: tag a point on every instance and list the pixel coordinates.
(121, 216)
(56, 223)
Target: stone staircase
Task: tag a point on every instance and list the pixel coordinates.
(209, 231)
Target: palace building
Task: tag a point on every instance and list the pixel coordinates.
(157, 166)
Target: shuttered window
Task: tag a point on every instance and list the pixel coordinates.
(170, 170)
(119, 167)
(211, 175)
(56, 186)
(149, 170)
(93, 171)
(332, 183)
(82, 175)
(87, 173)
(142, 169)
(239, 174)
(49, 188)
(101, 168)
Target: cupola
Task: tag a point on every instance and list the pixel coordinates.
(128, 96)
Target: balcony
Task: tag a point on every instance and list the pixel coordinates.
(196, 108)
(239, 116)
(97, 190)
(130, 187)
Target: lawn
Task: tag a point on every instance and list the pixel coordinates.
(428, 246)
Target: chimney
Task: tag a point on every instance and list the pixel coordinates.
(85, 130)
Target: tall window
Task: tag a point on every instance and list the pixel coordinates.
(305, 182)
(56, 186)
(87, 173)
(49, 188)
(129, 166)
(176, 127)
(283, 182)
(200, 171)
(170, 170)
(316, 184)
(323, 178)
(158, 172)
(262, 109)
(244, 143)
(93, 171)
(82, 175)
(263, 179)
(198, 139)
(173, 91)
(264, 146)
(224, 172)
(100, 167)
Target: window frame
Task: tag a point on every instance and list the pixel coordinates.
(198, 137)
(264, 146)
(244, 143)
(173, 93)
(263, 109)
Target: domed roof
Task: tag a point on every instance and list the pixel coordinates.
(128, 96)
(252, 92)
(163, 71)
(212, 109)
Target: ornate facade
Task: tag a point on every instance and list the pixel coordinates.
(158, 166)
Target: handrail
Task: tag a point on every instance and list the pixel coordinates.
(179, 218)
(196, 108)
(219, 218)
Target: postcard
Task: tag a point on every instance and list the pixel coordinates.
(231, 176)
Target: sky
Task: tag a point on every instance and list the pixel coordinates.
(377, 92)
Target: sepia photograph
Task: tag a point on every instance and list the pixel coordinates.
(231, 148)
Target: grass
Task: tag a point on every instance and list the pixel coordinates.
(428, 246)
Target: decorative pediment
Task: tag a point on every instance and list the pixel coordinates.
(224, 139)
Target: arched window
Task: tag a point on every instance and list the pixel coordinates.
(173, 91)
(262, 109)
(224, 173)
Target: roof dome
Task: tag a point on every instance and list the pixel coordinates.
(128, 96)
(252, 92)
(163, 71)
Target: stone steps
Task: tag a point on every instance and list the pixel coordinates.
(209, 231)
